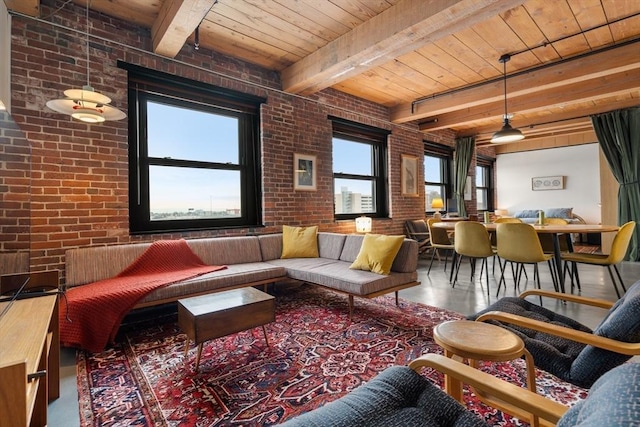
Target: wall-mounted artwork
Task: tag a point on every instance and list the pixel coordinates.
(409, 175)
(547, 183)
(304, 172)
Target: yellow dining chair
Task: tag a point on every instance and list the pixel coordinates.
(519, 243)
(546, 240)
(439, 240)
(503, 220)
(619, 249)
(472, 240)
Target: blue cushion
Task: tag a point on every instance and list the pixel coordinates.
(566, 213)
(398, 396)
(622, 323)
(613, 401)
(527, 213)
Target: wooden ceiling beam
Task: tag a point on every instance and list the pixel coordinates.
(558, 118)
(402, 28)
(28, 7)
(176, 21)
(604, 63)
(589, 90)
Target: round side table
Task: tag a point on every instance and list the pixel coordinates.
(480, 341)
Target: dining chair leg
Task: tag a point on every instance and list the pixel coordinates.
(536, 279)
(615, 286)
(486, 274)
(574, 266)
(432, 257)
(502, 268)
(456, 266)
(555, 274)
(615, 267)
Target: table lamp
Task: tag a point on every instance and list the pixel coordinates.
(363, 224)
(437, 203)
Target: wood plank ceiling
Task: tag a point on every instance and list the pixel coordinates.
(434, 62)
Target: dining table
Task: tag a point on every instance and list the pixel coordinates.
(556, 230)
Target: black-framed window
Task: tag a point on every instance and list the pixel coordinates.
(484, 184)
(437, 176)
(359, 170)
(194, 155)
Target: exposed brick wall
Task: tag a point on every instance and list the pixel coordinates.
(79, 187)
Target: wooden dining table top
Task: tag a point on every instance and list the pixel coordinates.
(550, 228)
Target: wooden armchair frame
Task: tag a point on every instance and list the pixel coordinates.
(621, 347)
(505, 396)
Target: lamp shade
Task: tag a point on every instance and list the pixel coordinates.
(363, 224)
(507, 134)
(437, 203)
(501, 212)
(86, 105)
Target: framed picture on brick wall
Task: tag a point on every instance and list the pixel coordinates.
(304, 172)
(409, 175)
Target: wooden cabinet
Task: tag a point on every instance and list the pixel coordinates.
(29, 360)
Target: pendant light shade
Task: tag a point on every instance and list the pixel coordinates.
(507, 133)
(86, 104)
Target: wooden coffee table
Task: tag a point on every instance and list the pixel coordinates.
(211, 316)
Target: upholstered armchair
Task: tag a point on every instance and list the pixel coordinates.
(564, 347)
(417, 230)
(400, 396)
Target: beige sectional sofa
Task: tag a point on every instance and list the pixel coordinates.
(251, 261)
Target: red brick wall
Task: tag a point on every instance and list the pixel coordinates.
(79, 185)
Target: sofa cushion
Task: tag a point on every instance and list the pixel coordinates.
(565, 213)
(377, 253)
(234, 275)
(299, 242)
(337, 275)
(527, 213)
(397, 396)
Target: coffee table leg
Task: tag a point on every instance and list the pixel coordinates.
(186, 348)
(198, 356)
(265, 335)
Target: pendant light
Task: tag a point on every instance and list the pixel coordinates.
(86, 104)
(507, 133)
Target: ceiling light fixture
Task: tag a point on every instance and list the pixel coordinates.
(507, 133)
(86, 104)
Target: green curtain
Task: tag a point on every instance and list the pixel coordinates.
(618, 133)
(464, 153)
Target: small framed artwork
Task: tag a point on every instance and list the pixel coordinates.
(304, 172)
(547, 183)
(409, 175)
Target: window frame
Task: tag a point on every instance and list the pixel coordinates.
(445, 154)
(153, 86)
(487, 163)
(377, 138)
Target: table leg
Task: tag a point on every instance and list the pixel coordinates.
(265, 335)
(452, 386)
(198, 356)
(186, 348)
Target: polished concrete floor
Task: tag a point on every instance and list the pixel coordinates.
(467, 297)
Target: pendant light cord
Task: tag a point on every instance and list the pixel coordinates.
(504, 59)
(87, 23)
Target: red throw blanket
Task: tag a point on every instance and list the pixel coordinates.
(96, 309)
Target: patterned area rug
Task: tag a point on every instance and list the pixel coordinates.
(316, 355)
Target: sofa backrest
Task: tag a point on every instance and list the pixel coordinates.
(86, 265)
(329, 245)
(227, 250)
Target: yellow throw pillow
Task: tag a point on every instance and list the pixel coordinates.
(299, 242)
(377, 253)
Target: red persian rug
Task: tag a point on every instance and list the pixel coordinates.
(316, 355)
